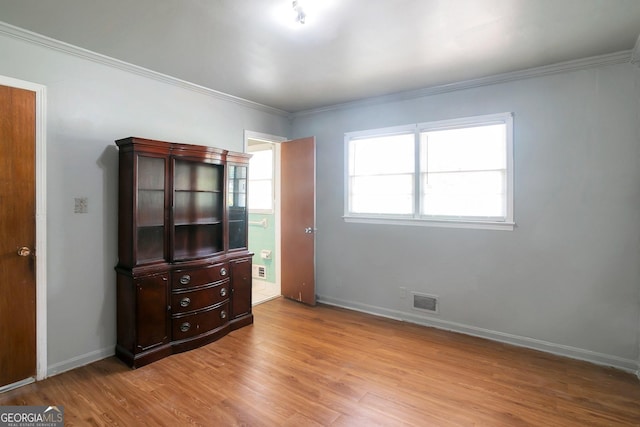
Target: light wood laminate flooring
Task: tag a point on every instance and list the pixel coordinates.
(324, 366)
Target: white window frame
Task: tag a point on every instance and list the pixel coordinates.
(416, 218)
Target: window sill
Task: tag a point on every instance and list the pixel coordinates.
(481, 225)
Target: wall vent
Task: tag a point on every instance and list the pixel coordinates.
(259, 271)
(425, 302)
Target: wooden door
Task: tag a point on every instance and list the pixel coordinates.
(17, 235)
(298, 197)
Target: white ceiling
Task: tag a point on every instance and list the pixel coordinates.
(347, 50)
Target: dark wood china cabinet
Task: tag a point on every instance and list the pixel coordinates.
(184, 269)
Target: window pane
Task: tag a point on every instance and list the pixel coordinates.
(467, 194)
(465, 149)
(382, 204)
(382, 155)
(261, 180)
(386, 194)
(260, 194)
(261, 164)
(381, 171)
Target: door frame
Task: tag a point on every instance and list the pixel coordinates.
(275, 140)
(41, 218)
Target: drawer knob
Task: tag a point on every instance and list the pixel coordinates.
(184, 302)
(223, 314)
(223, 271)
(185, 279)
(185, 326)
(223, 292)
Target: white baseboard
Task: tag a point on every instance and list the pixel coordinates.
(627, 365)
(78, 361)
(17, 384)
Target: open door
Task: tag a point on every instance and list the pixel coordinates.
(298, 219)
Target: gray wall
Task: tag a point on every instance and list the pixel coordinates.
(89, 106)
(567, 280)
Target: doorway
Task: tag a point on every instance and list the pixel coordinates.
(264, 214)
(30, 255)
(282, 226)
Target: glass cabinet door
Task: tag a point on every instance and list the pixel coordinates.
(237, 201)
(197, 209)
(150, 231)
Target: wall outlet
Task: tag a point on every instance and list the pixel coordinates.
(402, 292)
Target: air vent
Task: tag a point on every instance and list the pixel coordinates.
(425, 302)
(259, 271)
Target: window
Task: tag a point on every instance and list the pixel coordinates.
(261, 179)
(456, 173)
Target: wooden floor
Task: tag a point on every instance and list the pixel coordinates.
(323, 366)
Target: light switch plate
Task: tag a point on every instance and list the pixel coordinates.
(81, 205)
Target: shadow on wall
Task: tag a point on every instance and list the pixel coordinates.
(108, 162)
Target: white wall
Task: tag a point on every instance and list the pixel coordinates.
(90, 105)
(567, 280)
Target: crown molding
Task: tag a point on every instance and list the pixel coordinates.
(39, 39)
(562, 67)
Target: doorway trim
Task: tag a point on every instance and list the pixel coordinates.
(275, 140)
(41, 219)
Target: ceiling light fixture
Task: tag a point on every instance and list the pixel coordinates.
(301, 16)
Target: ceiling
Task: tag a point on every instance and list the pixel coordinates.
(347, 49)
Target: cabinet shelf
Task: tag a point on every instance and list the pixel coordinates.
(150, 225)
(189, 254)
(201, 222)
(197, 207)
(199, 191)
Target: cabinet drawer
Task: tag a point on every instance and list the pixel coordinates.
(199, 277)
(191, 300)
(188, 326)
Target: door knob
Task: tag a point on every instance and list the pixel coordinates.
(309, 230)
(24, 251)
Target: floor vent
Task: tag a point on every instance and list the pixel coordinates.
(425, 302)
(259, 271)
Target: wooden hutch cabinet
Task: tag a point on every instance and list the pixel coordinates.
(184, 269)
